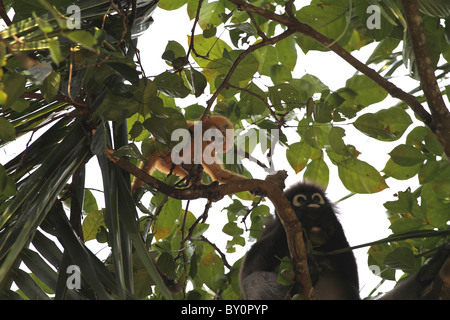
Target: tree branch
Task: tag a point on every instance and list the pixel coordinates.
(197, 17)
(4, 15)
(297, 26)
(271, 188)
(429, 85)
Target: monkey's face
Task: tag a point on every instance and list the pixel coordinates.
(314, 212)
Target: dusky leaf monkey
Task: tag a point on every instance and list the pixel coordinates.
(334, 277)
(216, 136)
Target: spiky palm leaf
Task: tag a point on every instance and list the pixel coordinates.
(35, 227)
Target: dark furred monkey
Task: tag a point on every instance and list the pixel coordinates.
(333, 276)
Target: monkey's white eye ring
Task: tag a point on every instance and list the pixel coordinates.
(299, 200)
(317, 198)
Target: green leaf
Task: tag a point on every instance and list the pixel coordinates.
(323, 112)
(428, 172)
(286, 275)
(406, 155)
(432, 144)
(196, 80)
(14, 86)
(213, 48)
(210, 31)
(7, 130)
(336, 142)
(126, 70)
(288, 93)
(240, 33)
(173, 51)
(422, 138)
(7, 185)
(279, 73)
(129, 150)
(194, 112)
(437, 208)
(136, 130)
(28, 286)
(167, 265)
(298, 155)
(385, 125)
(246, 70)
(232, 229)
(43, 274)
(377, 255)
(117, 106)
(3, 97)
(383, 50)
(315, 137)
(236, 208)
(401, 172)
(257, 216)
(92, 224)
(50, 86)
(404, 204)
(170, 5)
(267, 57)
(55, 51)
(435, 8)
(250, 104)
(402, 258)
(166, 222)
(210, 265)
(367, 91)
(287, 52)
(209, 14)
(84, 38)
(40, 190)
(360, 177)
(20, 105)
(89, 203)
(317, 171)
(442, 188)
(329, 20)
(171, 85)
(406, 223)
(3, 179)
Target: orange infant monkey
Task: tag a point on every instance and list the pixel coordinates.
(163, 160)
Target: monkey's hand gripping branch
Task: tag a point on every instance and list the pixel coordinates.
(271, 188)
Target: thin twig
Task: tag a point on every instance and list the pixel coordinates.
(197, 17)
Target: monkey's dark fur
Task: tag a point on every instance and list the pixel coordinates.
(333, 276)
